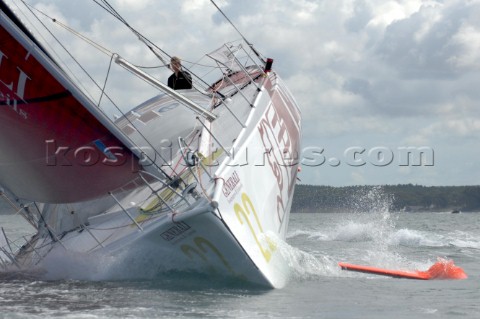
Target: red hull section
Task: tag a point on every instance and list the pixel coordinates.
(52, 149)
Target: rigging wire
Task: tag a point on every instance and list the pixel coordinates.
(112, 11)
(236, 29)
(104, 4)
(107, 7)
(29, 7)
(106, 80)
(75, 32)
(51, 48)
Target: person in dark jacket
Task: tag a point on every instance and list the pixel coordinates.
(179, 80)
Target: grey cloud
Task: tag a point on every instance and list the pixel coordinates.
(235, 9)
(362, 14)
(429, 56)
(360, 87)
(408, 77)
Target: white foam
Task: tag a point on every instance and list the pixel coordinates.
(304, 265)
(369, 237)
(464, 239)
(413, 238)
(354, 232)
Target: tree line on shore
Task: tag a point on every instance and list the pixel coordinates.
(408, 197)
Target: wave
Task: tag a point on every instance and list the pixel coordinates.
(370, 236)
(369, 232)
(464, 240)
(414, 238)
(350, 232)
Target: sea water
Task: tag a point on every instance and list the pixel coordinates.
(318, 288)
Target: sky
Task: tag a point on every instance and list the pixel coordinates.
(375, 79)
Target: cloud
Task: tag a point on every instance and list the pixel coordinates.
(136, 5)
(368, 71)
(421, 45)
(468, 38)
(360, 16)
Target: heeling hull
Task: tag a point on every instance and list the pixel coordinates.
(240, 238)
(208, 246)
(258, 184)
(199, 243)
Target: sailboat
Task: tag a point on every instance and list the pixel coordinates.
(215, 200)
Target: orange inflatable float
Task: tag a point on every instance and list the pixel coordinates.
(442, 269)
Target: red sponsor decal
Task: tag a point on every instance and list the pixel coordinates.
(279, 131)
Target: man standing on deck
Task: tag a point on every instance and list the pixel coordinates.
(179, 80)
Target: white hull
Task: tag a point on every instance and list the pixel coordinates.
(233, 231)
(206, 183)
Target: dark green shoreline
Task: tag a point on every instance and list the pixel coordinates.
(410, 198)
